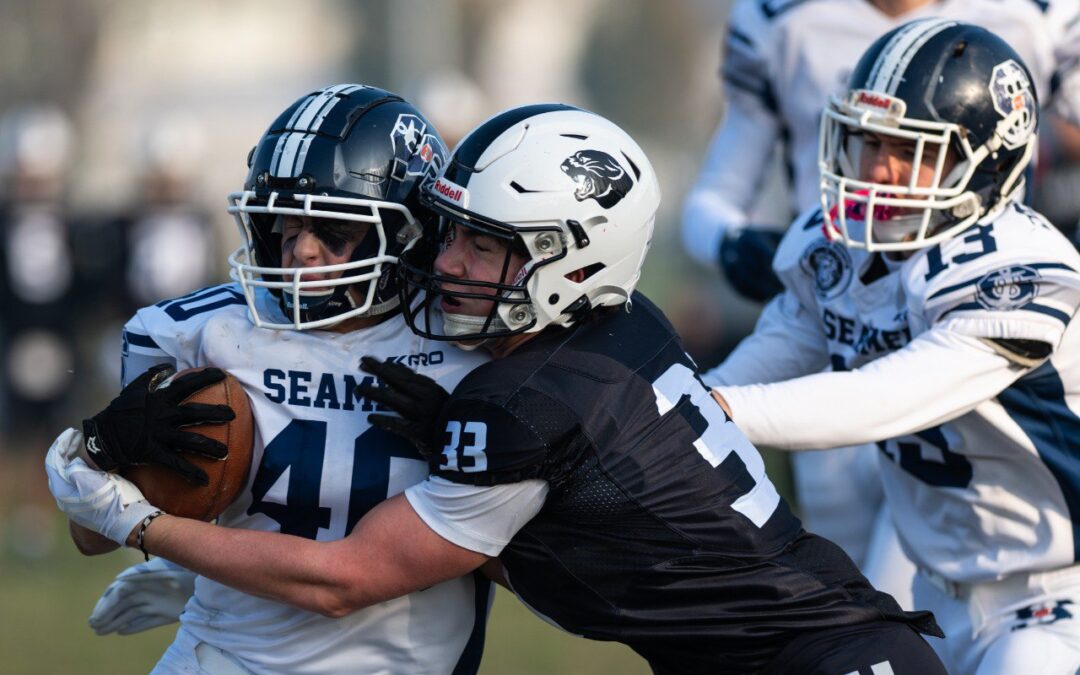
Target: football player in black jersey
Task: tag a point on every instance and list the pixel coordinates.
(618, 497)
(586, 465)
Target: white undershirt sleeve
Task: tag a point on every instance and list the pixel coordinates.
(937, 377)
(787, 342)
(480, 518)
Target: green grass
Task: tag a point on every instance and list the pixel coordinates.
(46, 602)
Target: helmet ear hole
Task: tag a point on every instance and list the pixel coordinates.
(580, 275)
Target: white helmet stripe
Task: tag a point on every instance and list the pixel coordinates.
(275, 161)
(892, 62)
(289, 154)
(315, 111)
(310, 114)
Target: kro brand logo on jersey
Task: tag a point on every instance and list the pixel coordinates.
(1008, 288)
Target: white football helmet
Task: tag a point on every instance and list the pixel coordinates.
(566, 187)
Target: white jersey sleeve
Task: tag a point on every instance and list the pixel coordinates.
(1007, 279)
(170, 331)
(965, 372)
(480, 518)
(737, 158)
(786, 343)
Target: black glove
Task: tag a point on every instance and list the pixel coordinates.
(746, 258)
(143, 424)
(418, 400)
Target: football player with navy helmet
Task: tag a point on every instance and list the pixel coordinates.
(947, 310)
(781, 62)
(329, 203)
(587, 465)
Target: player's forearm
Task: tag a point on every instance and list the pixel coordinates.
(927, 383)
(288, 569)
(89, 542)
(390, 553)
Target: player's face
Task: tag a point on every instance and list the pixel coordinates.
(316, 242)
(474, 256)
(887, 160)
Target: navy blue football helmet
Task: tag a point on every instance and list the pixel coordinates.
(350, 153)
(963, 100)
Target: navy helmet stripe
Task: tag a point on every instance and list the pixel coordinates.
(1037, 404)
(140, 340)
(465, 157)
(1030, 307)
(972, 282)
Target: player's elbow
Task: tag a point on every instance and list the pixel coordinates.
(336, 608)
(345, 593)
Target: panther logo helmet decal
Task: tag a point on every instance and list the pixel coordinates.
(597, 176)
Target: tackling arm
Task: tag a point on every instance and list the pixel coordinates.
(391, 552)
(937, 377)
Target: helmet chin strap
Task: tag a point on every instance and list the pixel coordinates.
(464, 324)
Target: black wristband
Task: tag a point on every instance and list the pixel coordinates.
(142, 532)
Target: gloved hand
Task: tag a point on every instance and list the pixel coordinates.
(143, 424)
(746, 259)
(142, 597)
(418, 400)
(99, 501)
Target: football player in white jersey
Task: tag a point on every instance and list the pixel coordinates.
(329, 202)
(948, 312)
(782, 61)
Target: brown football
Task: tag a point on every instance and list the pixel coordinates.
(167, 490)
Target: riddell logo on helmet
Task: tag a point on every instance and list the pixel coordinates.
(870, 99)
(452, 191)
(881, 102)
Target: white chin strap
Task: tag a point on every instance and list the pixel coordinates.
(464, 324)
(898, 228)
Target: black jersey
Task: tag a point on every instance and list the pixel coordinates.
(661, 529)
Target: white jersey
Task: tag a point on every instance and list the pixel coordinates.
(988, 484)
(318, 467)
(784, 58)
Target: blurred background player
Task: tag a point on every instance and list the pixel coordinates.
(40, 282)
(329, 202)
(782, 60)
(37, 273)
(129, 259)
(948, 310)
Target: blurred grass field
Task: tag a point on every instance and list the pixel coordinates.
(47, 600)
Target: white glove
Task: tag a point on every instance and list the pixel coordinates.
(99, 501)
(142, 597)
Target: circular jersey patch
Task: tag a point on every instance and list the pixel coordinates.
(830, 265)
(1007, 288)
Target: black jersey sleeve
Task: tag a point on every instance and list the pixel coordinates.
(530, 435)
